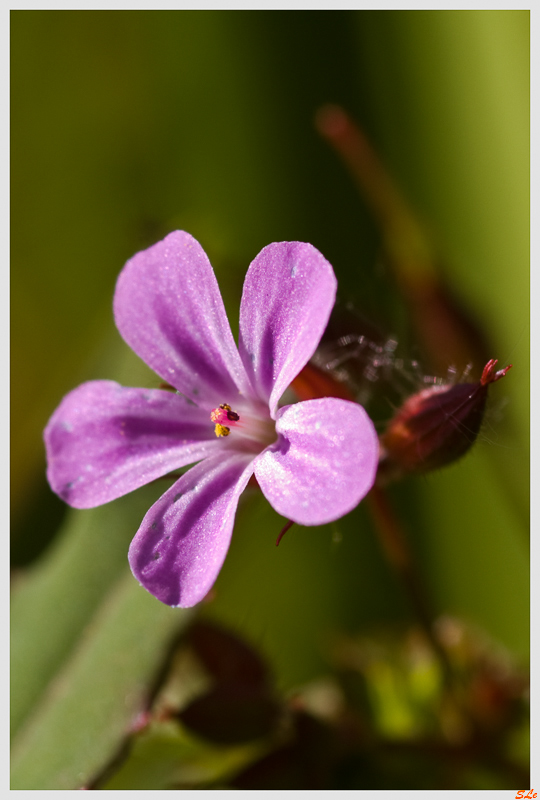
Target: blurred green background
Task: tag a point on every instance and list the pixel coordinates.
(129, 124)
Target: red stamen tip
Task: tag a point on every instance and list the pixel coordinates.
(489, 375)
(289, 524)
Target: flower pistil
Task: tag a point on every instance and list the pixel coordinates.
(254, 429)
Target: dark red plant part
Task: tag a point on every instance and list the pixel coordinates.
(435, 427)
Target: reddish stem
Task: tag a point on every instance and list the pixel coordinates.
(397, 551)
(289, 524)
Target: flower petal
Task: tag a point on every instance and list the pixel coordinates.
(168, 308)
(105, 440)
(289, 292)
(183, 540)
(324, 462)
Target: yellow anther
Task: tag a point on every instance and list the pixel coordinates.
(221, 430)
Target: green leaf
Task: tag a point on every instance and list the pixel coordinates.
(166, 755)
(87, 710)
(54, 601)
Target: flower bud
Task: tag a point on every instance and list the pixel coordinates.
(435, 426)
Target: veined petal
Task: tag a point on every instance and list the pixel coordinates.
(183, 540)
(105, 440)
(168, 308)
(324, 462)
(289, 292)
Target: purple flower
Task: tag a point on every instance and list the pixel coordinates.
(313, 460)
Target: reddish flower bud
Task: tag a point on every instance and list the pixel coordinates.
(435, 426)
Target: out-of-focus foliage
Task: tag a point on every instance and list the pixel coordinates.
(129, 124)
(380, 717)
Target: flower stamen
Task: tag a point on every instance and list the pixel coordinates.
(221, 430)
(224, 414)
